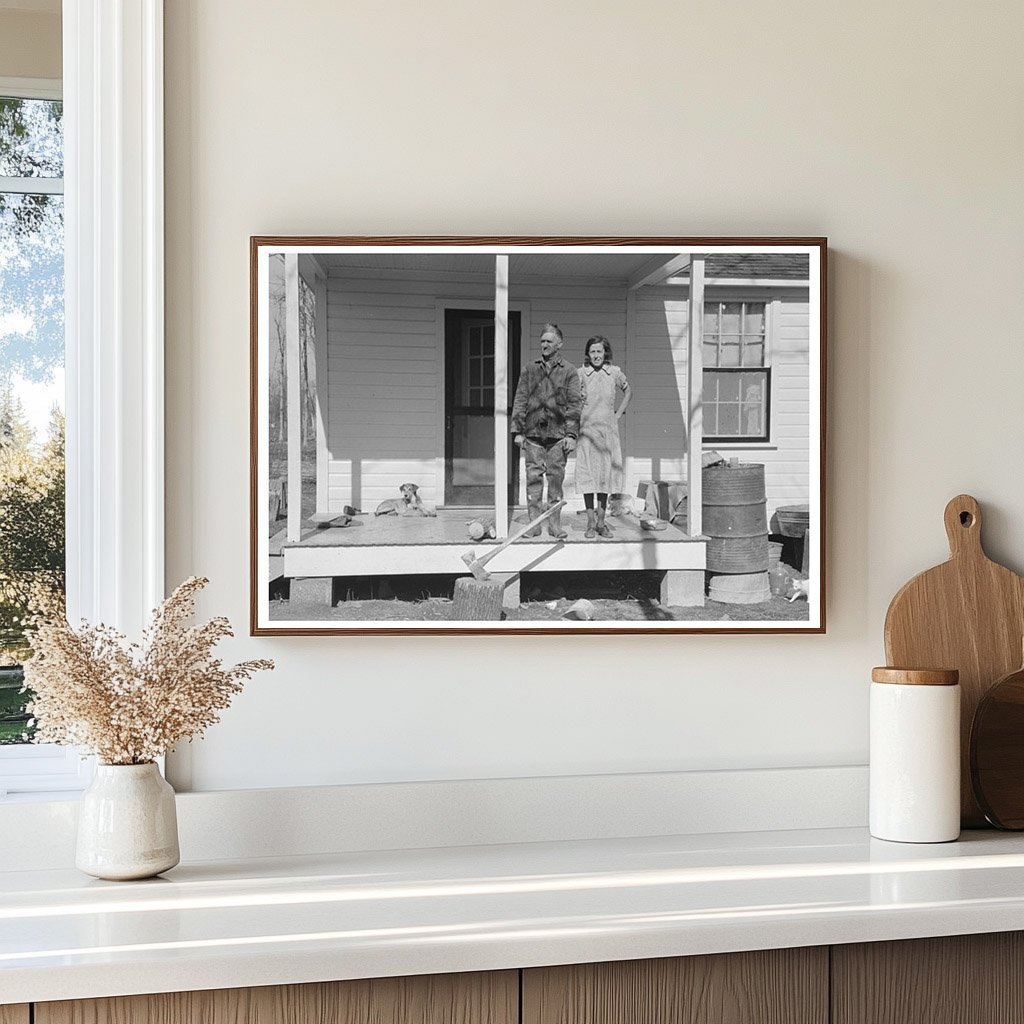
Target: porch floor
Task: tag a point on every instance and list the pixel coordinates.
(450, 527)
(387, 545)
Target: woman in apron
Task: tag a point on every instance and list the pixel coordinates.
(598, 452)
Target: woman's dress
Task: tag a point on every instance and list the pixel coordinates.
(598, 451)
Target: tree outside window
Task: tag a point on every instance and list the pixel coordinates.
(31, 386)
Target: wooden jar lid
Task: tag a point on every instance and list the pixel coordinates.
(916, 676)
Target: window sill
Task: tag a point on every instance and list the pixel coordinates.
(42, 771)
(40, 796)
(764, 446)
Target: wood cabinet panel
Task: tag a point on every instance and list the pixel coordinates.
(480, 998)
(778, 986)
(14, 1014)
(962, 979)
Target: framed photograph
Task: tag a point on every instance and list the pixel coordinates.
(537, 435)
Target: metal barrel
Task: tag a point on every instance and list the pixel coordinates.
(735, 518)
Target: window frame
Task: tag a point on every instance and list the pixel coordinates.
(718, 293)
(112, 89)
(743, 439)
(48, 89)
(32, 88)
(30, 768)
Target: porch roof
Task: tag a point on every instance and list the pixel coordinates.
(774, 266)
(612, 268)
(615, 267)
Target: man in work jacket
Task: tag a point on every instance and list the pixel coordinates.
(546, 423)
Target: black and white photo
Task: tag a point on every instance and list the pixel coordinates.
(535, 435)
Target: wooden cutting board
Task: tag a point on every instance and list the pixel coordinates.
(967, 614)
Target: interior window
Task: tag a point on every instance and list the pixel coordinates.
(31, 386)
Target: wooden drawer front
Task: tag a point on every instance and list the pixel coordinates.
(779, 986)
(484, 998)
(14, 1014)
(963, 979)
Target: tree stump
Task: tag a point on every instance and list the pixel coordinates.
(478, 600)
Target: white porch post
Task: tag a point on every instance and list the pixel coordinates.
(291, 319)
(501, 395)
(629, 480)
(695, 396)
(320, 397)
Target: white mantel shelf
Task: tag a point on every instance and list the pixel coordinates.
(225, 924)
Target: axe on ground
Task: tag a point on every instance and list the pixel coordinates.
(476, 565)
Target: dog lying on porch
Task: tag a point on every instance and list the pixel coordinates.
(409, 504)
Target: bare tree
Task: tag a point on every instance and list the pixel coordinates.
(278, 397)
(278, 389)
(307, 362)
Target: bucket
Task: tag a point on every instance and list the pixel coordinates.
(774, 553)
(740, 588)
(735, 520)
(793, 519)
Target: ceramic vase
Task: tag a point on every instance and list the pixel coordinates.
(127, 825)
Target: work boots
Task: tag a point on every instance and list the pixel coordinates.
(602, 530)
(555, 526)
(591, 522)
(533, 511)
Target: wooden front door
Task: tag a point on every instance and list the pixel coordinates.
(469, 406)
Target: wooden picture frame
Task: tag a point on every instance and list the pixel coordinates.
(380, 362)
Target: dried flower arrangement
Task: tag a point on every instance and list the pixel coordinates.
(130, 703)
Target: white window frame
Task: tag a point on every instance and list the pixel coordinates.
(37, 768)
(770, 304)
(771, 294)
(114, 345)
(32, 88)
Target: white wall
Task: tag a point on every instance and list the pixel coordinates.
(894, 129)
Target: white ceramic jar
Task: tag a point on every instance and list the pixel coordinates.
(915, 755)
(127, 824)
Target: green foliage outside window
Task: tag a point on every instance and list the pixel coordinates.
(31, 358)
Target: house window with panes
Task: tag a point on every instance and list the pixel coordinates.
(737, 377)
(479, 355)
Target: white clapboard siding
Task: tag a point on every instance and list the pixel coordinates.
(657, 367)
(787, 468)
(385, 386)
(657, 372)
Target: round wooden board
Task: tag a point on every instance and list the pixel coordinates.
(997, 752)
